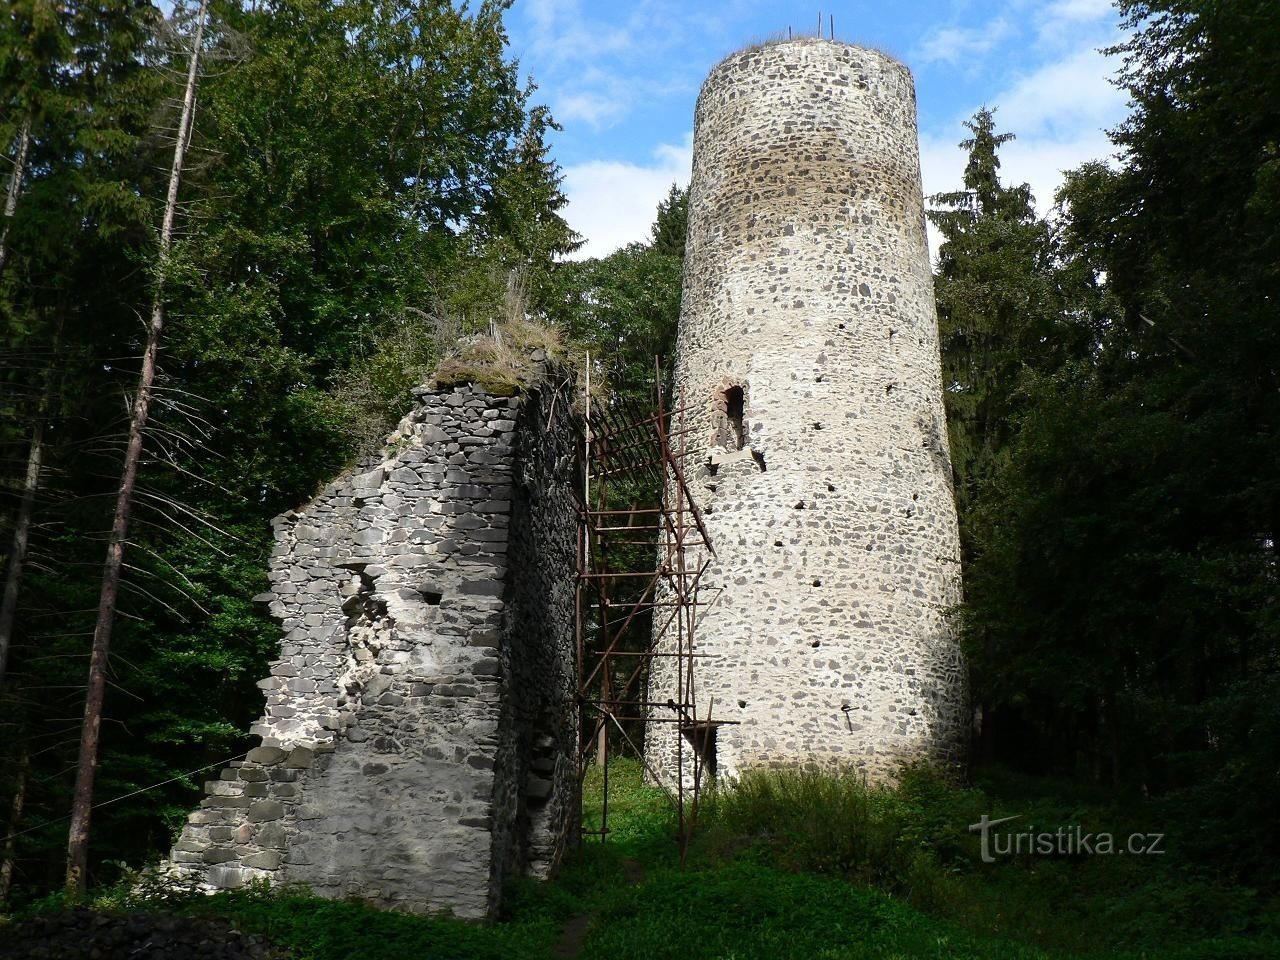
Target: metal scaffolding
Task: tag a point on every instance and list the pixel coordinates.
(639, 569)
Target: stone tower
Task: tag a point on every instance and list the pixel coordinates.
(808, 369)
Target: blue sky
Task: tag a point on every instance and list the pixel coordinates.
(621, 78)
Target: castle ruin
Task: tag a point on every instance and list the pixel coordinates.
(418, 740)
(419, 743)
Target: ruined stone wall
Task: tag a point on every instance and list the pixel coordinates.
(417, 744)
(808, 361)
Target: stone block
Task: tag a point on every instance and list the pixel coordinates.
(265, 810)
(266, 860)
(271, 835)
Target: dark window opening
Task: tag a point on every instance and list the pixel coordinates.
(735, 408)
(701, 735)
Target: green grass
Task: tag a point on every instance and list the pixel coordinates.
(797, 865)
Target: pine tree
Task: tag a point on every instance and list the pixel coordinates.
(998, 305)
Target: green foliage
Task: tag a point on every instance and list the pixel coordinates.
(999, 309)
(836, 824)
(624, 308)
(1122, 522)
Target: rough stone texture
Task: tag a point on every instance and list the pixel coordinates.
(418, 739)
(81, 934)
(826, 482)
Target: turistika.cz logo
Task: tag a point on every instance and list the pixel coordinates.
(1065, 841)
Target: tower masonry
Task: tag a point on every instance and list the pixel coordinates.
(809, 377)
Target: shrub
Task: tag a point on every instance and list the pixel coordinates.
(896, 839)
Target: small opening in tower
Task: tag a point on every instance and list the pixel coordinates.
(734, 409)
(701, 735)
(759, 457)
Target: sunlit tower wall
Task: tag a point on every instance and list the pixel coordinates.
(808, 368)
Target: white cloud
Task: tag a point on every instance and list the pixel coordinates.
(612, 203)
(1059, 114)
(953, 45)
(561, 32)
(1062, 97)
(596, 109)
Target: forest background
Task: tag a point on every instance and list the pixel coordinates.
(317, 198)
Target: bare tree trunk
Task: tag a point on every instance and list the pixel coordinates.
(82, 802)
(15, 818)
(15, 188)
(21, 534)
(35, 454)
(26, 506)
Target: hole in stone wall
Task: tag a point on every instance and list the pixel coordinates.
(800, 505)
(817, 426)
(742, 704)
(713, 469)
(711, 487)
(840, 325)
(702, 737)
(817, 582)
(816, 644)
(432, 597)
(735, 409)
(777, 543)
(831, 488)
(915, 496)
(888, 388)
(759, 458)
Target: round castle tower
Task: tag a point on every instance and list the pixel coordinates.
(808, 369)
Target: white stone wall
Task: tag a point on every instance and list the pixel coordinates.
(807, 285)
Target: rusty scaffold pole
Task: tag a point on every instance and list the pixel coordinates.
(630, 614)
